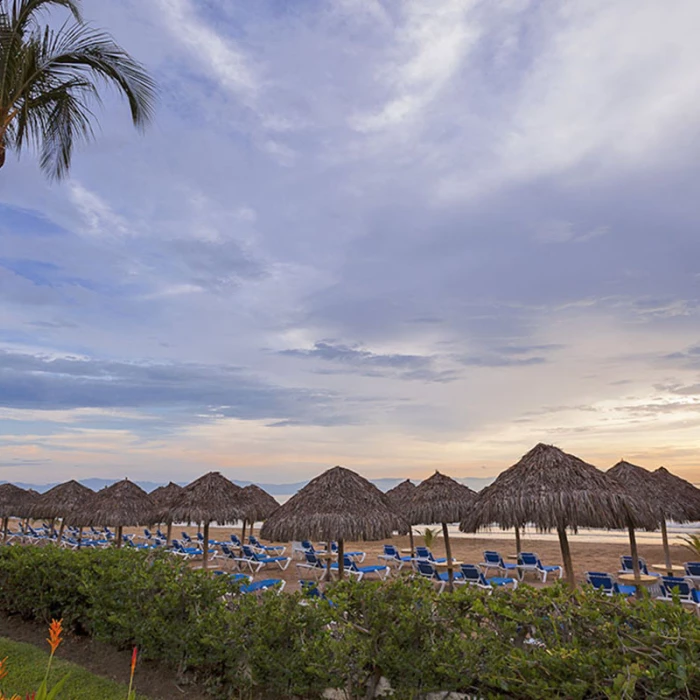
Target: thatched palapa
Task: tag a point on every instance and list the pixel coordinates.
(400, 497)
(259, 506)
(14, 503)
(556, 490)
(123, 504)
(163, 499)
(211, 498)
(337, 505)
(681, 491)
(62, 501)
(443, 500)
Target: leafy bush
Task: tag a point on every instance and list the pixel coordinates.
(586, 645)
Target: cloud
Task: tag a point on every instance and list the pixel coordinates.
(60, 383)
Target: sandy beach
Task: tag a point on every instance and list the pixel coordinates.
(587, 556)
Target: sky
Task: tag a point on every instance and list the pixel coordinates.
(394, 235)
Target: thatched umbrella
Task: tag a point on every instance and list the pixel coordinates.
(553, 489)
(63, 501)
(14, 502)
(261, 505)
(211, 498)
(441, 499)
(400, 497)
(647, 487)
(337, 505)
(680, 490)
(123, 504)
(163, 499)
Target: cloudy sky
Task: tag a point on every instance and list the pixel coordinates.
(394, 235)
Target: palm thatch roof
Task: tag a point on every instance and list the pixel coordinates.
(401, 494)
(440, 499)
(553, 489)
(14, 501)
(681, 491)
(165, 496)
(261, 504)
(211, 498)
(645, 486)
(62, 501)
(123, 504)
(337, 505)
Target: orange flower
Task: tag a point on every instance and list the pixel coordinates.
(3, 670)
(134, 656)
(55, 630)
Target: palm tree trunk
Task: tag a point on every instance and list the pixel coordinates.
(448, 552)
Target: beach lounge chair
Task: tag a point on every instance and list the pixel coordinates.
(493, 560)
(351, 567)
(692, 572)
(309, 547)
(530, 562)
(314, 565)
(392, 557)
(235, 541)
(627, 568)
(357, 555)
(424, 554)
(310, 590)
(605, 583)
(185, 552)
(257, 561)
(277, 549)
(427, 570)
(683, 588)
(264, 585)
(187, 540)
(473, 575)
(297, 550)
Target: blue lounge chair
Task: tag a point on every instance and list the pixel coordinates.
(683, 588)
(473, 575)
(309, 547)
(692, 571)
(627, 568)
(264, 585)
(530, 562)
(392, 557)
(257, 561)
(185, 552)
(357, 555)
(235, 541)
(350, 565)
(427, 570)
(424, 554)
(310, 589)
(276, 549)
(317, 567)
(493, 560)
(605, 583)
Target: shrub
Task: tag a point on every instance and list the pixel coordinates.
(586, 645)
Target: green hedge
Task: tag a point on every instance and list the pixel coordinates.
(274, 647)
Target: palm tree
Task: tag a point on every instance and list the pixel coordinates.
(49, 79)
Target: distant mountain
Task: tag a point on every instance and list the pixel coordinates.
(476, 483)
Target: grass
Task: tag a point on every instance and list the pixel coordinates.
(26, 666)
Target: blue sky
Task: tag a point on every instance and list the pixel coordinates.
(397, 236)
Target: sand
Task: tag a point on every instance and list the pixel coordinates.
(587, 556)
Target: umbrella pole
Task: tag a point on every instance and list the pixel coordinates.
(169, 534)
(243, 533)
(517, 540)
(119, 536)
(633, 549)
(566, 556)
(4, 530)
(205, 554)
(667, 550)
(80, 537)
(60, 531)
(341, 559)
(410, 539)
(448, 551)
